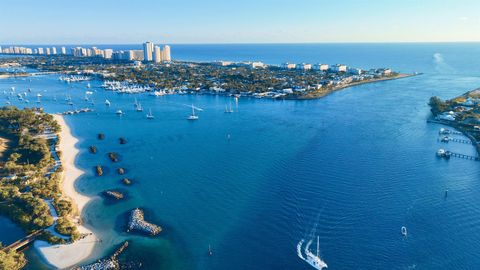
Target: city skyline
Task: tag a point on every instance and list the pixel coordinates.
(214, 21)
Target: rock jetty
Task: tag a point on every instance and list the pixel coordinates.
(110, 263)
(93, 149)
(137, 222)
(126, 181)
(113, 194)
(99, 170)
(121, 171)
(113, 156)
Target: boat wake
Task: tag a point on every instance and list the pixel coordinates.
(308, 256)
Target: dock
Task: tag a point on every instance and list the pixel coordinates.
(458, 155)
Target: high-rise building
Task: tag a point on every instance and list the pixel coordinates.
(47, 51)
(40, 50)
(107, 53)
(64, 50)
(54, 50)
(157, 56)
(148, 51)
(167, 56)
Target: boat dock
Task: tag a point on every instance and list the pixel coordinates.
(458, 155)
(447, 139)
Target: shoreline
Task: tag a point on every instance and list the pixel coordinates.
(64, 256)
(465, 133)
(335, 89)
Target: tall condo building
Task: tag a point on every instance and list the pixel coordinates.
(47, 51)
(64, 50)
(148, 51)
(107, 53)
(40, 50)
(157, 56)
(166, 50)
(54, 50)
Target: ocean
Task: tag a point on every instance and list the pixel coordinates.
(351, 168)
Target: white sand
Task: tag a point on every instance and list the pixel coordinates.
(64, 256)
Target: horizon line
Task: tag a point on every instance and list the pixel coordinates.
(247, 43)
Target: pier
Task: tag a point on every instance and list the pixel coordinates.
(450, 139)
(458, 155)
(24, 241)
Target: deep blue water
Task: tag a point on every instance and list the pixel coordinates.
(352, 167)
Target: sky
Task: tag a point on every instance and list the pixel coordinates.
(237, 21)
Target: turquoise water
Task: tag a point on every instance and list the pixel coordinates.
(351, 168)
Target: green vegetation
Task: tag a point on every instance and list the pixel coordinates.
(66, 227)
(28, 178)
(11, 260)
(466, 112)
(437, 105)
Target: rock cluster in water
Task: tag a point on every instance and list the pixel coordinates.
(137, 222)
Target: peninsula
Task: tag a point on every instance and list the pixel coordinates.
(250, 79)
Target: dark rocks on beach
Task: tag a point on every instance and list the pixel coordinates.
(122, 140)
(113, 156)
(126, 181)
(99, 170)
(121, 171)
(93, 149)
(113, 194)
(137, 222)
(101, 136)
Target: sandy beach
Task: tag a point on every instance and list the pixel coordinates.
(64, 256)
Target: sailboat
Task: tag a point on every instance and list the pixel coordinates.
(139, 108)
(119, 112)
(135, 104)
(210, 252)
(193, 116)
(107, 102)
(150, 115)
(313, 259)
(228, 109)
(88, 85)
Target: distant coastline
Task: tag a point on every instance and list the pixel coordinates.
(316, 95)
